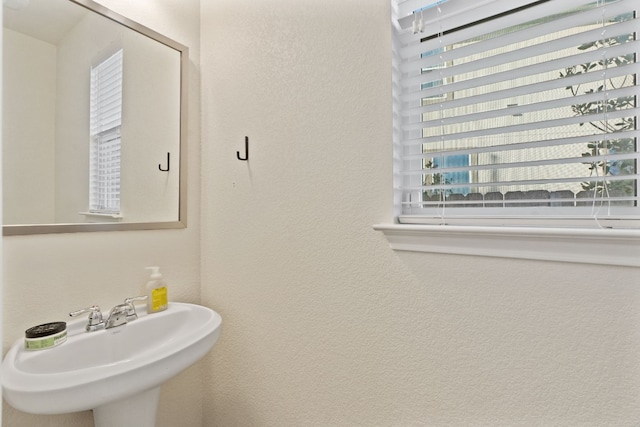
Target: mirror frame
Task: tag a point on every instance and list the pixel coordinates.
(181, 222)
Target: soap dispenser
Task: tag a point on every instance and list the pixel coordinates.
(156, 292)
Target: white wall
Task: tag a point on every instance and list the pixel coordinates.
(29, 128)
(324, 325)
(47, 276)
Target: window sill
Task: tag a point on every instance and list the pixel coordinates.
(581, 245)
(102, 215)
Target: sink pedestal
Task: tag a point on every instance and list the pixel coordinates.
(134, 411)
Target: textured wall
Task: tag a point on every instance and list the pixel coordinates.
(29, 89)
(47, 276)
(324, 325)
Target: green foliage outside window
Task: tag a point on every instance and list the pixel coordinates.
(609, 145)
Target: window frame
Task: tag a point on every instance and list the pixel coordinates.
(563, 239)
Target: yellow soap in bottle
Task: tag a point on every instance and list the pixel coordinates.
(156, 291)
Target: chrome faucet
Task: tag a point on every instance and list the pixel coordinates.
(95, 317)
(123, 313)
(131, 311)
(119, 315)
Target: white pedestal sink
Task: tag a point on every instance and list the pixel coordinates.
(116, 372)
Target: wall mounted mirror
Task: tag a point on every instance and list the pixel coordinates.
(94, 121)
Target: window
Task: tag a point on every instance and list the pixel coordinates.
(516, 129)
(517, 112)
(106, 120)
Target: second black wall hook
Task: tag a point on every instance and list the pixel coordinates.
(168, 164)
(246, 150)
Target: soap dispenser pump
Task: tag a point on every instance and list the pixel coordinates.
(156, 292)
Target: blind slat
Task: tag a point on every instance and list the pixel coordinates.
(530, 163)
(584, 139)
(552, 123)
(534, 183)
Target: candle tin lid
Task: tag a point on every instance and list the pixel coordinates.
(45, 330)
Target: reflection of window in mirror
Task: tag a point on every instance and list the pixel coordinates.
(106, 120)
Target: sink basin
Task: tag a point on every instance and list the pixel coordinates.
(114, 370)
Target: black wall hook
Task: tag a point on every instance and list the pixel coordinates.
(246, 150)
(168, 163)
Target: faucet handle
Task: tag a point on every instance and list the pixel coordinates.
(95, 317)
(131, 310)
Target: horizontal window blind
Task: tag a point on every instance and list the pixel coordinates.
(522, 109)
(106, 119)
